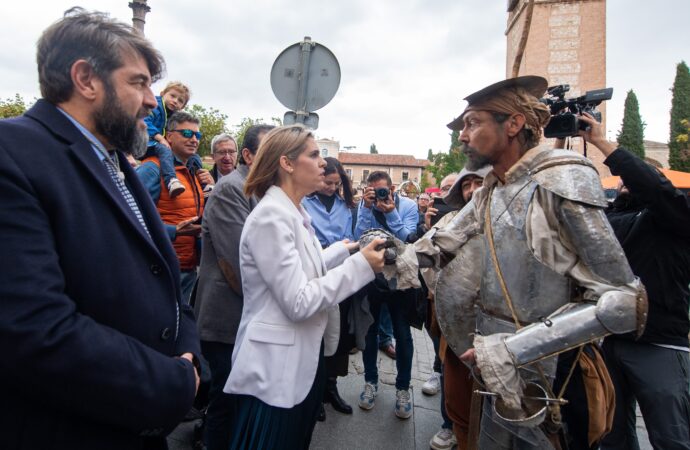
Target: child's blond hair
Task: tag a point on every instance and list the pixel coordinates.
(178, 86)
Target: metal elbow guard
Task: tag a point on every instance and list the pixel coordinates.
(616, 312)
(621, 312)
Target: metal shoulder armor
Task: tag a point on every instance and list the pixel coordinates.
(568, 175)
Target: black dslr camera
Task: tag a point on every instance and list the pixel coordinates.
(382, 193)
(564, 112)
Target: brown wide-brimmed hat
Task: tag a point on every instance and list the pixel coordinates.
(533, 84)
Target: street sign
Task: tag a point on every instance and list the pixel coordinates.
(310, 121)
(304, 78)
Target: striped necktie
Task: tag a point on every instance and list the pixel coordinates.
(124, 190)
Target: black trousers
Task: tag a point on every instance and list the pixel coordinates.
(659, 379)
(219, 412)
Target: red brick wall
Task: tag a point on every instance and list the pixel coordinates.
(566, 45)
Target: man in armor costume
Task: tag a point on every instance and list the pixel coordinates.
(535, 270)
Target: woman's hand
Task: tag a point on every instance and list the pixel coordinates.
(351, 246)
(374, 254)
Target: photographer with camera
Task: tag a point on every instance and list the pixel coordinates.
(651, 219)
(382, 208)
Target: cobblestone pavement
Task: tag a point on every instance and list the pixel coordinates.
(379, 428)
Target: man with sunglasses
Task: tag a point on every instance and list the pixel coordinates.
(181, 214)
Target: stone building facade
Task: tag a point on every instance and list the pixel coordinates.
(328, 147)
(566, 45)
(400, 167)
(658, 152)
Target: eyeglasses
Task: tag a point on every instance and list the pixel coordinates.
(187, 134)
(446, 188)
(225, 153)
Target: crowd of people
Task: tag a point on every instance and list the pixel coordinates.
(133, 275)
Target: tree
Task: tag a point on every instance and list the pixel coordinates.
(430, 155)
(631, 135)
(679, 150)
(212, 123)
(683, 138)
(247, 122)
(12, 107)
(443, 164)
(372, 149)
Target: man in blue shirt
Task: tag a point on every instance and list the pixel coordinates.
(382, 208)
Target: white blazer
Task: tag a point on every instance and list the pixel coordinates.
(289, 285)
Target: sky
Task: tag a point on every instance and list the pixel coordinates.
(405, 64)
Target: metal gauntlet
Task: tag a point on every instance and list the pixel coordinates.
(616, 312)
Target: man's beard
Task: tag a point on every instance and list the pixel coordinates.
(475, 161)
(120, 129)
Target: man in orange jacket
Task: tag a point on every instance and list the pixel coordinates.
(182, 214)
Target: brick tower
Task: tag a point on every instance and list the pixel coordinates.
(566, 44)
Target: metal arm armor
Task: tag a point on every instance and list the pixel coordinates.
(578, 323)
(568, 175)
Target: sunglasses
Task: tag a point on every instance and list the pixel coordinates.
(187, 134)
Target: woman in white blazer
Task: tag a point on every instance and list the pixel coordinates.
(289, 286)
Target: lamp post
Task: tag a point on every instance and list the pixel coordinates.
(139, 8)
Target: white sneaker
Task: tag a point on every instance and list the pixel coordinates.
(443, 440)
(175, 187)
(367, 398)
(403, 404)
(432, 385)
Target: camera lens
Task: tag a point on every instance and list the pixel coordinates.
(382, 193)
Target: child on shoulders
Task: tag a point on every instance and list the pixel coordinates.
(173, 98)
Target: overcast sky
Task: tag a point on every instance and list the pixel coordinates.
(406, 64)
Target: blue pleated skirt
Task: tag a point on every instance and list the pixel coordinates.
(259, 426)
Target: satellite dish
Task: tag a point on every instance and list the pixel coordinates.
(304, 78)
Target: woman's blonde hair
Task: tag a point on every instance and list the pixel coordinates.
(287, 141)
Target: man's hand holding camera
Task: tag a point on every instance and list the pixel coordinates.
(381, 197)
(594, 134)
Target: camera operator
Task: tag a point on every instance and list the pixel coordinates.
(382, 208)
(390, 211)
(651, 220)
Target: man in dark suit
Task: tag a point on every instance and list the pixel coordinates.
(98, 349)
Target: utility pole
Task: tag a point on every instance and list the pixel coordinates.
(139, 10)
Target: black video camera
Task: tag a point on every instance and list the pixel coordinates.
(564, 113)
(382, 193)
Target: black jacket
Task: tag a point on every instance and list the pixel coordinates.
(654, 231)
(89, 328)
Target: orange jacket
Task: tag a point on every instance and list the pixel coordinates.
(183, 207)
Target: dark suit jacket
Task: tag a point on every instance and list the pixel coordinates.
(214, 172)
(218, 303)
(89, 303)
